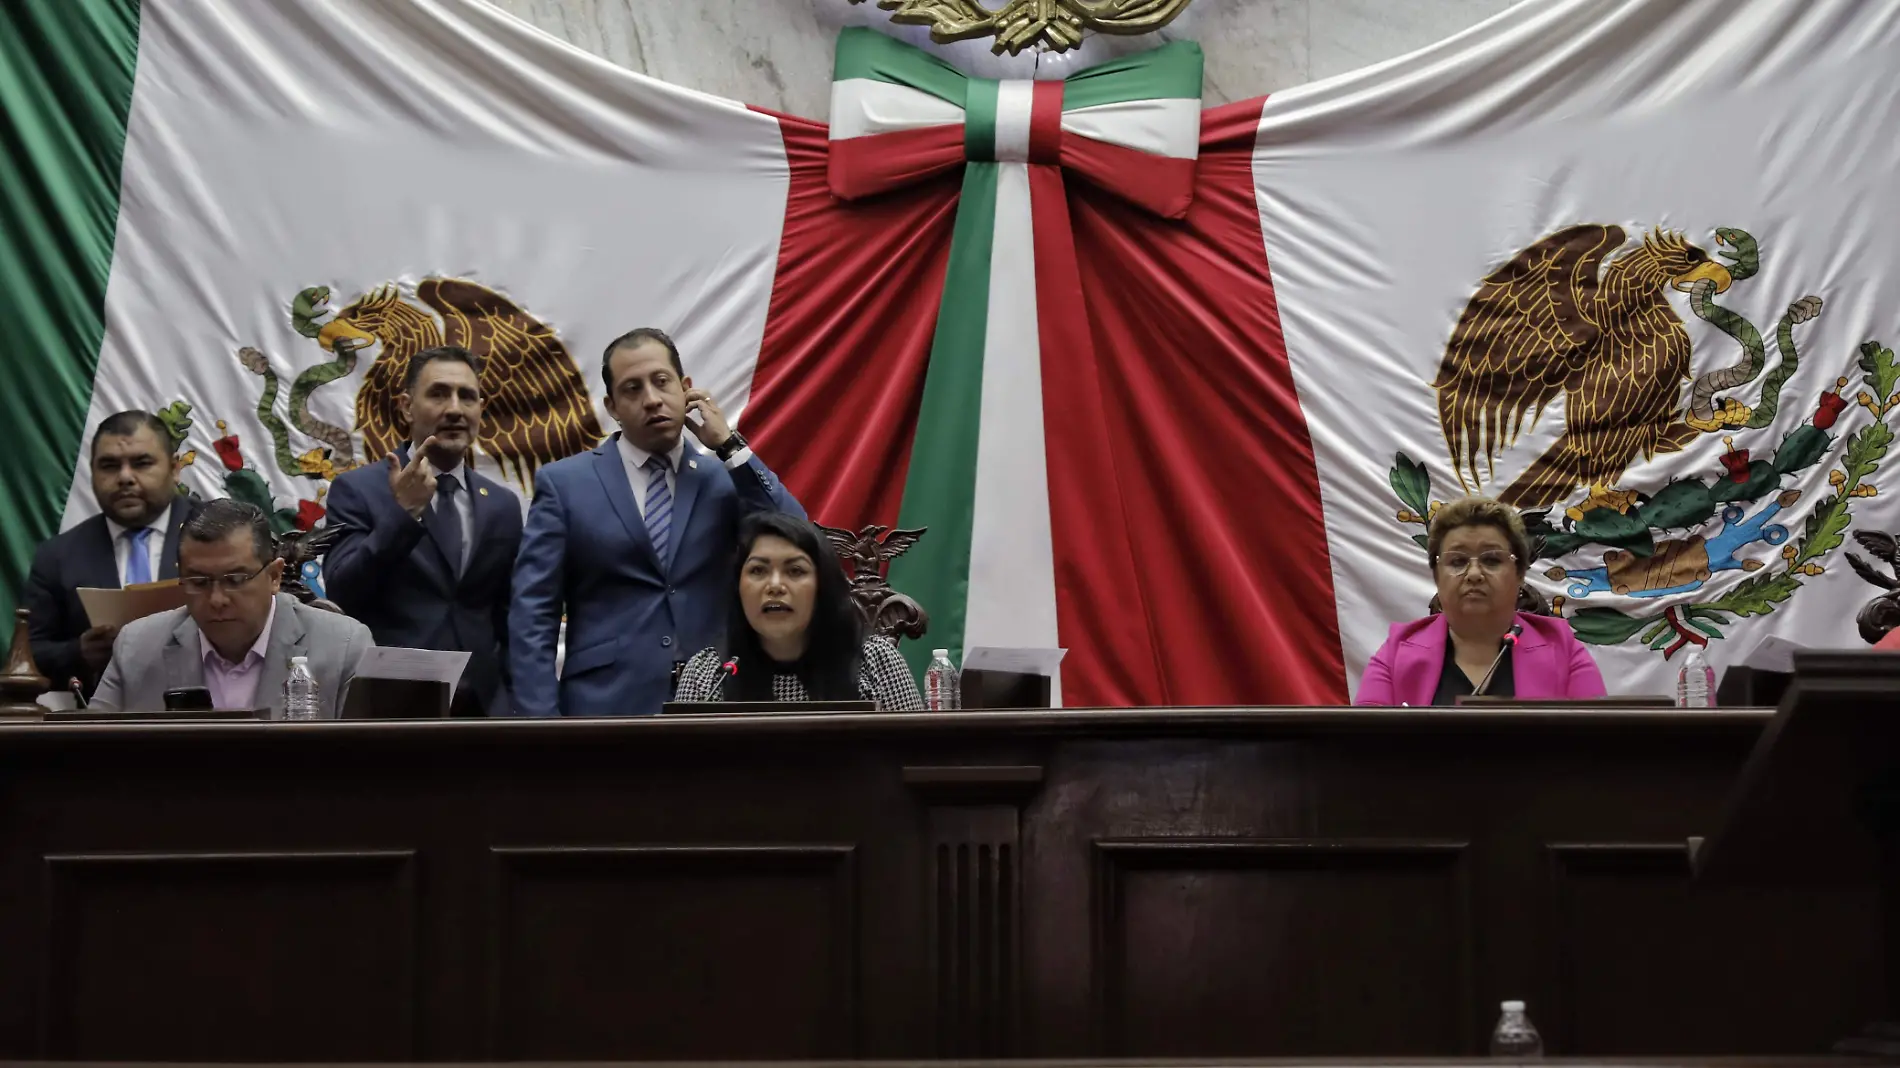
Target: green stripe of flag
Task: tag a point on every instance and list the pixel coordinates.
(979, 119)
(940, 490)
(1172, 71)
(866, 53)
(66, 70)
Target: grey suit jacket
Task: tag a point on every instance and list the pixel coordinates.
(163, 652)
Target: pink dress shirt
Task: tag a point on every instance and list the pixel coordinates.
(235, 685)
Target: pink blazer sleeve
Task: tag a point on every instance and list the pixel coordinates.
(1585, 679)
(1375, 686)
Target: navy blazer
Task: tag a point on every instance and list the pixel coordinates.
(82, 557)
(630, 615)
(388, 570)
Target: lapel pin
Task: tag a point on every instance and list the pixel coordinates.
(484, 491)
(694, 464)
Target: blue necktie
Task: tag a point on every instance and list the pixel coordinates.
(659, 508)
(138, 561)
(448, 521)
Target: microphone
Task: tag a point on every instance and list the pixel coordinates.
(1510, 642)
(78, 691)
(727, 670)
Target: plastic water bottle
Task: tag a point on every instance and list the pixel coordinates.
(1515, 1038)
(300, 690)
(942, 690)
(1695, 683)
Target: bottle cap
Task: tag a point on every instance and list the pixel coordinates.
(945, 653)
(1513, 1006)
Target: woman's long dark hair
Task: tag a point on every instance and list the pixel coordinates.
(829, 669)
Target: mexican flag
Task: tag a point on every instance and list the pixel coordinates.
(1630, 268)
(248, 216)
(1173, 388)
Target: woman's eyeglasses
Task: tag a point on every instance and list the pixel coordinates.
(1491, 560)
(199, 585)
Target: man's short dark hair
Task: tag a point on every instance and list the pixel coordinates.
(635, 337)
(440, 352)
(221, 518)
(125, 424)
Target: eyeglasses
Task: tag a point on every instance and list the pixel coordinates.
(1491, 560)
(199, 585)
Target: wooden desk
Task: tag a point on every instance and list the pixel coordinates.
(1153, 883)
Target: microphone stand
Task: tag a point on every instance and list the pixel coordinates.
(1504, 650)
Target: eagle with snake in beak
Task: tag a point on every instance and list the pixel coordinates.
(1564, 318)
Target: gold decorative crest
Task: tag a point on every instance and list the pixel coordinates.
(1055, 25)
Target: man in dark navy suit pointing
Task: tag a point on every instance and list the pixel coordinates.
(427, 545)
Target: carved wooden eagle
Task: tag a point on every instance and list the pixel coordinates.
(1557, 319)
(535, 407)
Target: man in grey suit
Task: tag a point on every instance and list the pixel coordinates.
(236, 634)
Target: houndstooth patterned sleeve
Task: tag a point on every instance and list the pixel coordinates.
(893, 687)
(699, 677)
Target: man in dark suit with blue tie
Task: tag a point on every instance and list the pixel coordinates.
(634, 541)
(134, 539)
(427, 545)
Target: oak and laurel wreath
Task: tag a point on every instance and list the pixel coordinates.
(1690, 502)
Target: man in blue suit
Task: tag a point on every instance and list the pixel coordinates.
(133, 540)
(634, 542)
(427, 545)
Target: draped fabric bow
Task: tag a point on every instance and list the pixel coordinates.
(1012, 314)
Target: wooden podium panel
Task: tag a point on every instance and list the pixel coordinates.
(1800, 812)
(1160, 883)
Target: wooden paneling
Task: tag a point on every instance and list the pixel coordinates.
(734, 952)
(1237, 947)
(1067, 884)
(973, 835)
(155, 955)
(1650, 961)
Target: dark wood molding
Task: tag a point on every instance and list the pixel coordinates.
(973, 837)
(171, 879)
(1113, 860)
(619, 870)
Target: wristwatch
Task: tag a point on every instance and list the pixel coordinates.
(730, 447)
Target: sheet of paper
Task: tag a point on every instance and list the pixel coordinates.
(1021, 661)
(415, 665)
(118, 607)
(1773, 654)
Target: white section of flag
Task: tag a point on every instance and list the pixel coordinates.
(1165, 127)
(864, 106)
(1012, 598)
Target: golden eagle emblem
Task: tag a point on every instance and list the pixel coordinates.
(535, 406)
(1557, 319)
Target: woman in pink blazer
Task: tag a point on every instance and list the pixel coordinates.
(1479, 553)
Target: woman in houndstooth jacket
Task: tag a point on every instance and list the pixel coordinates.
(792, 633)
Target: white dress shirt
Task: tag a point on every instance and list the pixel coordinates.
(464, 507)
(636, 460)
(154, 542)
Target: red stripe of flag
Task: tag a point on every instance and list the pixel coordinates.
(847, 334)
(877, 163)
(1045, 123)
